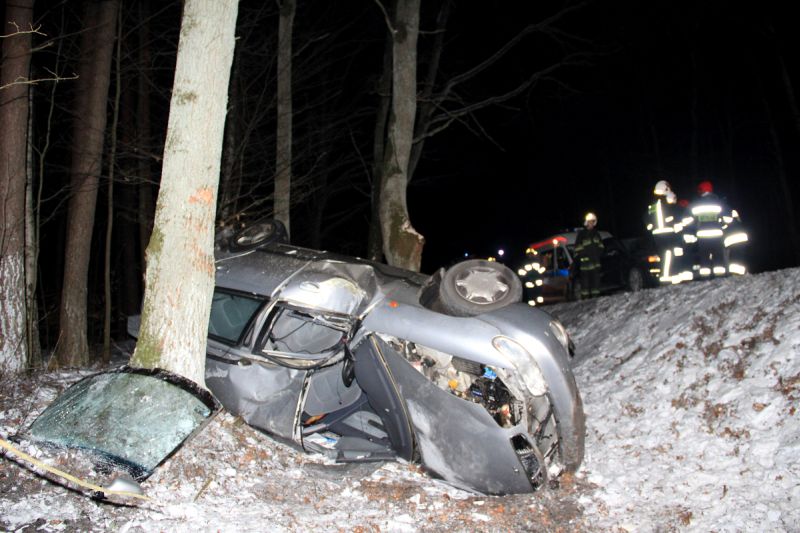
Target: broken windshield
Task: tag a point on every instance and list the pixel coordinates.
(134, 418)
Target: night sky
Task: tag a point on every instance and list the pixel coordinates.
(644, 79)
(598, 135)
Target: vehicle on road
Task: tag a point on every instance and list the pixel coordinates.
(549, 273)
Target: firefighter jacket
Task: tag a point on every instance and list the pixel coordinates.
(734, 231)
(704, 217)
(588, 249)
(735, 241)
(662, 217)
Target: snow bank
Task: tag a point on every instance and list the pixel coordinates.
(690, 394)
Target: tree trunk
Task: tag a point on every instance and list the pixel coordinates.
(13, 158)
(88, 134)
(384, 89)
(427, 105)
(129, 296)
(402, 245)
(230, 186)
(179, 282)
(32, 251)
(283, 155)
(146, 202)
(112, 162)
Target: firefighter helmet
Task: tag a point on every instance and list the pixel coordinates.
(661, 188)
(705, 187)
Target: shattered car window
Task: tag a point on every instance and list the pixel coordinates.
(230, 314)
(132, 419)
(302, 339)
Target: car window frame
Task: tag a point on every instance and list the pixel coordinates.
(246, 330)
(291, 359)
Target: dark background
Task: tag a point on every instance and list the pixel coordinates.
(635, 91)
(600, 135)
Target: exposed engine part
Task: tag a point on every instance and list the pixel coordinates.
(494, 396)
(466, 379)
(532, 460)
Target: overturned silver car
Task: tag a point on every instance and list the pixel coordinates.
(364, 362)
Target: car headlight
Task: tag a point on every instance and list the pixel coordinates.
(526, 365)
(560, 333)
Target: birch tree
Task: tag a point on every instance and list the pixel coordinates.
(16, 44)
(179, 280)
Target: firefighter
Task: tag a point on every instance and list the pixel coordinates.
(683, 259)
(588, 251)
(734, 241)
(703, 229)
(663, 224)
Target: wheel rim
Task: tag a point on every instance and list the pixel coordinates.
(482, 286)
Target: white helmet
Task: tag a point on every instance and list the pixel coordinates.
(661, 188)
(671, 197)
(590, 217)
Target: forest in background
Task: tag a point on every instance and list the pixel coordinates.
(550, 107)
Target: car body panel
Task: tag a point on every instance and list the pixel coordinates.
(458, 440)
(264, 394)
(348, 358)
(534, 334)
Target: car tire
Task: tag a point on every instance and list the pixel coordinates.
(478, 286)
(635, 280)
(261, 233)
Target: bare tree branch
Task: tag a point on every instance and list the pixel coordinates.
(386, 17)
(489, 61)
(26, 81)
(32, 30)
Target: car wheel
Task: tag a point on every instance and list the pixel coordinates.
(478, 286)
(635, 280)
(261, 233)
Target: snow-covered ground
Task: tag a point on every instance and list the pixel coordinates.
(691, 396)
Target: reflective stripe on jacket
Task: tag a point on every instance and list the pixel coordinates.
(588, 248)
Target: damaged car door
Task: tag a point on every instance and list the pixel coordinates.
(289, 371)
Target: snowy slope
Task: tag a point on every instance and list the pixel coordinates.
(690, 394)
